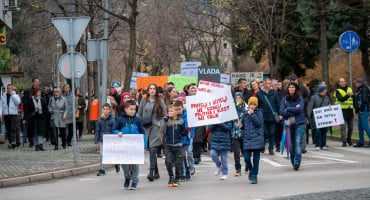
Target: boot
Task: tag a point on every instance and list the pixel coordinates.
(37, 147)
(41, 147)
(56, 147)
(150, 175)
(156, 173)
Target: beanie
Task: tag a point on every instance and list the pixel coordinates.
(239, 94)
(253, 100)
(123, 95)
(321, 88)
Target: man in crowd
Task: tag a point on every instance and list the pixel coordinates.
(242, 87)
(343, 96)
(362, 109)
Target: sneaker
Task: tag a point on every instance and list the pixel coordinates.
(238, 173)
(250, 177)
(324, 148)
(304, 151)
(223, 177)
(317, 148)
(117, 168)
(101, 172)
(254, 180)
(170, 182)
(176, 183)
(344, 144)
(187, 178)
(127, 183)
(218, 171)
(271, 152)
(133, 186)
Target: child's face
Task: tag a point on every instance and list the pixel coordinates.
(172, 112)
(238, 100)
(180, 110)
(106, 111)
(252, 106)
(130, 111)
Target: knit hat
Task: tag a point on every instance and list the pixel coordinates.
(359, 80)
(181, 96)
(239, 94)
(253, 100)
(123, 95)
(321, 88)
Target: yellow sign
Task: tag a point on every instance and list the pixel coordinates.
(2, 35)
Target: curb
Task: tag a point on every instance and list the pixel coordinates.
(47, 176)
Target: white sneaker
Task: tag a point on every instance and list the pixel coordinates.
(223, 177)
(218, 171)
(317, 148)
(325, 148)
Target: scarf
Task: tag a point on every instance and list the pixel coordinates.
(37, 104)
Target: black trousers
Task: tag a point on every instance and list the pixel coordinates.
(237, 146)
(278, 133)
(62, 134)
(153, 158)
(11, 123)
(70, 133)
(197, 147)
(174, 158)
(80, 128)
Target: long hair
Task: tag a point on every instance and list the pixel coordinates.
(167, 98)
(157, 106)
(296, 94)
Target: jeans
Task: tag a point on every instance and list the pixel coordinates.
(320, 136)
(363, 125)
(101, 156)
(269, 128)
(191, 156)
(349, 123)
(153, 158)
(11, 123)
(237, 146)
(185, 161)
(253, 168)
(296, 135)
(220, 164)
(131, 172)
(173, 158)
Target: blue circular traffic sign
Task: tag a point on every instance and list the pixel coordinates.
(349, 41)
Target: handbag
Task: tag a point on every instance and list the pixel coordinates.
(276, 116)
(147, 121)
(78, 113)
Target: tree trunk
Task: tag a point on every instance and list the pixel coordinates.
(324, 42)
(364, 47)
(131, 55)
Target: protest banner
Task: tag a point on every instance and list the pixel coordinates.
(133, 78)
(211, 74)
(256, 75)
(225, 78)
(128, 149)
(213, 104)
(328, 116)
(237, 75)
(144, 82)
(181, 81)
(190, 68)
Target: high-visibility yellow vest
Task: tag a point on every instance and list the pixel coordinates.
(344, 104)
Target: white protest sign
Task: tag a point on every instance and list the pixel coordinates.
(190, 68)
(328, 116)
(237, 75)
(213, 104)
(225, 78)
(128, 149)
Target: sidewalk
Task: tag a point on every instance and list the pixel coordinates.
(25, 165)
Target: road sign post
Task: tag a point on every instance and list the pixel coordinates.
(349, 41)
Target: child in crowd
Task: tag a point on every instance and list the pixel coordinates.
(236, 134)
(174, 130)
(253, 137)
(128, 123)
(105, 126)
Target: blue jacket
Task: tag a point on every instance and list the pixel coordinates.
(129, 125)
(220, 140)
(236, 132)
(174, 130)
(253, 132)
(289, 109)
(105, 126)
(186, 139)
(273, 97)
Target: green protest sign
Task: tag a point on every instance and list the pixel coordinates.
(181, 81)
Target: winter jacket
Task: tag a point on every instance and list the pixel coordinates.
(190, 135)
(273, 97)
(173, 131)
(12, 107)
(129, 125)
(236, 132)
(105, 126)
(59, 107)
(252, 130)
(220, 140)
(361, 102)
(288, 109)
(69, 99)
(37, 122)
(153, 133)
(317, 101)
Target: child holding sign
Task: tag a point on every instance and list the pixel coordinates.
(253, 137)
(128, 123)
(174, 130)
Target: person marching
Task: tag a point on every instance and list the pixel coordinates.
(128, 123)
(253, 137)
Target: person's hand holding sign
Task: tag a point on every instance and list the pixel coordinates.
(120, 134)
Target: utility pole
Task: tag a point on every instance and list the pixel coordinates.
(105, 56)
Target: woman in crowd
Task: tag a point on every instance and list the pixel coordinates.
(171, 93)
(58, 108)
(291, 109)
(80, 113)
(151, 110)
(37, 118)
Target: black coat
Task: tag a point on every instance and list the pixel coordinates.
(37, 122)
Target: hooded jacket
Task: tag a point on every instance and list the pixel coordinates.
(105, 126)
(129, 125)
(173, 131)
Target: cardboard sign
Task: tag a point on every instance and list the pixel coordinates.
(206, 87)
(133, 78)
(144, 82)
(328, 116)
(190, 68)
(181, 81)
(128, 149)
(211, 74)
(225, 78)
(236, 76)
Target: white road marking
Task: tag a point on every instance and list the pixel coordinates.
(336, 159)
(86, 179)
(273, 163)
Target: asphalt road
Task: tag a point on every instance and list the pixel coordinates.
(339, 170)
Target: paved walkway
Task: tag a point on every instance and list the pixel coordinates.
(24, 160)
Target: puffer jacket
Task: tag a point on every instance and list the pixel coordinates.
(12, 108)
(129, 125)
(173, 131)
(236, 131)
(289, 109)
(188, 137)
(105, 126)
(253, 134)
(220, 140)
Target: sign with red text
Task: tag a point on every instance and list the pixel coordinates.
(211, 74)
(213, 104)
(128, 149)
(328, 116)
